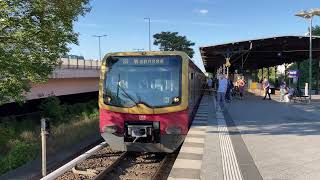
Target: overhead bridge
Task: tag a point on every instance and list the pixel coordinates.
(72, 76)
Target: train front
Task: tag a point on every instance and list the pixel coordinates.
(143, 100)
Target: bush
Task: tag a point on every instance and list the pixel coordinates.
(52, 109)
(6, 133)
(18, 155)
(71, 123)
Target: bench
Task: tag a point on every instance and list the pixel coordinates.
(301, 98)
(297, 96)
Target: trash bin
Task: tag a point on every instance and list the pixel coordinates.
(273, 89)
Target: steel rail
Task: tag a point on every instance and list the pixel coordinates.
(58, 172)
(157, 175)
(103, 173)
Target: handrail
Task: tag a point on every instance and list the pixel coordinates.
(68, 63)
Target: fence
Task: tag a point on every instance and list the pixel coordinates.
(68, 63)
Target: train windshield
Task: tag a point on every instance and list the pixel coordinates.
(151, 80)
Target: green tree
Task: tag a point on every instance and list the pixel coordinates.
(304, 65)
(33, 35)
(171, 41)
(316, 30)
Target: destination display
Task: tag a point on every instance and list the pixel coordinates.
(132, 61)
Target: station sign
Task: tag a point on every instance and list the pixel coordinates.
(293, 73)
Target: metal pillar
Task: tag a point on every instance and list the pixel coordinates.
(275, 75)
(318, 74)
(43, 147)
(310, 61)
(298, 84)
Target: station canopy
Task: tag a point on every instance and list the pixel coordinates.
(259, 53)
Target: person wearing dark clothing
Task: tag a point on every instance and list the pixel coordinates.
(229, 88)
(266, 86)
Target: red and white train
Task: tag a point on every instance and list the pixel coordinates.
(147, 99)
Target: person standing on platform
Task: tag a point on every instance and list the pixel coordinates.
(283, 88)
(229, 89)
(222, 89)
(209, 83)
(241, 83)
(266, 87)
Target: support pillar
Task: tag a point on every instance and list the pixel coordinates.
(318, 74)
(275, 76)
(298, 83)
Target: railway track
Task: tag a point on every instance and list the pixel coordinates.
(135, 166)
(108, 164)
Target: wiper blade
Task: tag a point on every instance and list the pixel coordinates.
(130, 97)
(142, 102)
(125, 93)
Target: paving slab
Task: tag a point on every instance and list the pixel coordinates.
(283, 139)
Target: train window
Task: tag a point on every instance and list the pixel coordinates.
(151, 81)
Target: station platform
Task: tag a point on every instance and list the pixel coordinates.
(251, 139)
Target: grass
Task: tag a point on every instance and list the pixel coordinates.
(20, 139)
(69, 133)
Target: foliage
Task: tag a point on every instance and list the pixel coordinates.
(5, 134)
(33, 34)
(316, 30)
(51, 108)
(171, 41)
(265, 74)
(304, 65)
(19, 154)
(20, 142)
(304, 70)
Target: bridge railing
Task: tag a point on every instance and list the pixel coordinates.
(69, 63)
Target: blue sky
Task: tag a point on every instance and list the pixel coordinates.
(205, 22)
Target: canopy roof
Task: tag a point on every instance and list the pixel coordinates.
(258, 53)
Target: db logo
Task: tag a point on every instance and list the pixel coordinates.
(142, 117)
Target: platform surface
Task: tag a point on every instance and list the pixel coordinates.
(253, 139)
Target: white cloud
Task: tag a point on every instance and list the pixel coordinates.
(201, 11)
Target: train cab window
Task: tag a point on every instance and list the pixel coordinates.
(153, 81)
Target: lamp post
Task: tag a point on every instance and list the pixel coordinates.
(99, 37)
(309, 16)
(149, 32)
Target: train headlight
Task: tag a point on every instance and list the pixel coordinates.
(173, 130)
(176, 99)
(108, 99)
(156, 125)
